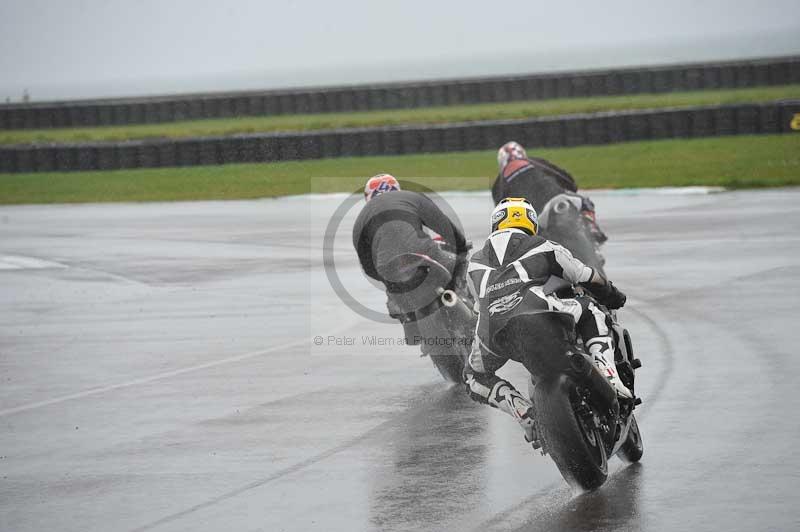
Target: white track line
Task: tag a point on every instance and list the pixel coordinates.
(158, 376)
(18, 262)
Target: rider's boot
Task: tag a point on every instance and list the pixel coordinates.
(588, 212)
(508, 399)
(594, 229)
(528, 424)
(603, 357)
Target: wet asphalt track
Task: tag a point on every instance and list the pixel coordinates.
(158, 373)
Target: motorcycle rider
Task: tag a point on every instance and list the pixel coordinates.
(514, 261)
(396, 221)
(538, 180)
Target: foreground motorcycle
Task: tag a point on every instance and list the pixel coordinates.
(435, 308)
(561, 221)
(580, 421)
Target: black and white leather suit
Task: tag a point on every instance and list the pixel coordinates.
(511, 264)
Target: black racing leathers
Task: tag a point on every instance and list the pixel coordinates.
(513, 264)
(539, 181)
(394, 223)
(512, 269)
(534, 179)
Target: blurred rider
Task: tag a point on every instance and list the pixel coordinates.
(397, 221)
(538, 181)
(515, 263)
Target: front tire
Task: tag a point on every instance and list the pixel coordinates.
(632, 450)
(577, 449)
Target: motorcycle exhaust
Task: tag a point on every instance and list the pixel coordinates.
(561, 207)
(449, 298)
(456, 312)
(454, 307)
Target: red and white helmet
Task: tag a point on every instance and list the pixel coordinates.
(379, 184)
(510, 151)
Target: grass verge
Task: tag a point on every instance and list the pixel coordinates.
(430, 115)
(736, 162)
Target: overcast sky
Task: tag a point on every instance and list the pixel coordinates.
(91, 48)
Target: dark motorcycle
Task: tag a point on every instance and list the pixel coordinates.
(561, 221)
(435, 309)
(580, 421)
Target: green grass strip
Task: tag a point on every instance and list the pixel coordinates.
(737, 162)
(430, 115)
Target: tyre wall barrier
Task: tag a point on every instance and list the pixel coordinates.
(150, 110)
(573, 130)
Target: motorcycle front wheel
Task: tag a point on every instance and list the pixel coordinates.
(576, 448)
(632, 450)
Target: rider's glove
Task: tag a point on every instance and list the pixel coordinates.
(609, 296)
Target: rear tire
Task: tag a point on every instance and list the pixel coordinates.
(577, 450)
(632, 450)
(456, 323)
(451, 367)
(577, 240)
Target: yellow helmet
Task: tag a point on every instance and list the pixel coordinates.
(516, 213)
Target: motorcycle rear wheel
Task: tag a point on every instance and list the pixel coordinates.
(577, 449)
(578, 241)
(451, 366)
